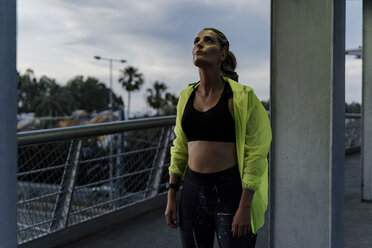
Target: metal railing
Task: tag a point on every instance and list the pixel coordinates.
(67, 176)
(353, 132)
(70, 175)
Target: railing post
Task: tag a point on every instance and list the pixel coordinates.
(157, 166)
(366, 157)
(120, 189)
(8, 124)
(111, 167)
(63, 202)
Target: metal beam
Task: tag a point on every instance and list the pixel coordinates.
(56, 134)
(158, 163)
(63, 202)
(8, 124)
(366, 157)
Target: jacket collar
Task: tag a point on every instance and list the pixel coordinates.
(236, 87)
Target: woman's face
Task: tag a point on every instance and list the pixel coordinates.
(207, 50)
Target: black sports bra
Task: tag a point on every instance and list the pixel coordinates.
(215, 124)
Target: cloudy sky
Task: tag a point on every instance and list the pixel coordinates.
(58, 38)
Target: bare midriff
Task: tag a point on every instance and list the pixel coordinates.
(211, 156)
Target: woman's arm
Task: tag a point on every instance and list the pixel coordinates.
(256, 147)
(177, 168)
(242, 220)
(179, 150)
(173, 179)
(171, 209)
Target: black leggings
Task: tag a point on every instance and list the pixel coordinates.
(207, 206)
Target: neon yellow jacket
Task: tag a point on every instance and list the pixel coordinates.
(253, 138)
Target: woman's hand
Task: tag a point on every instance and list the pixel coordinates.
(241, 224)
(171, 211)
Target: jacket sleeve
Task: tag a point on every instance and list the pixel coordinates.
(257, 145)
(179, 150)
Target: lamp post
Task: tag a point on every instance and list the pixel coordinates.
(110, 63)
(111, 106)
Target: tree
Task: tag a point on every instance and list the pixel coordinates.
(353, 107)
(47, 98)
(44, 97)
(90, 94)
(27, 91)
(170, 104)
(155, 96)
(131, 80)
(53, 99)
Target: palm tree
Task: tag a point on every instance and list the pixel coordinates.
(155, 96)
(171, 101)
(131, 80)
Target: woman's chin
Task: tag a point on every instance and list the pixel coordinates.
(201, 63)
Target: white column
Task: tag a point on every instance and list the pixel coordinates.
(307, 115)
(367, 103)
(8, 122)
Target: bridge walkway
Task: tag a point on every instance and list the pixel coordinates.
(150, 229)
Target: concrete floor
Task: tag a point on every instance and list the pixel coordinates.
(150, 230)
(358, 214)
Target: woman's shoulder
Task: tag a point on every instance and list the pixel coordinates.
(189, 88)
(238, 87)
(243, 94)
(193, 85)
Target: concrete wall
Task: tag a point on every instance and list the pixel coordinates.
(307, 115)
(8, 122)
(367, 103)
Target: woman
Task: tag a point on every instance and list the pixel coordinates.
(223, 136)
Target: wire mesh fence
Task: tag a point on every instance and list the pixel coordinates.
(65, 182)
(66, 178)
(353, 131)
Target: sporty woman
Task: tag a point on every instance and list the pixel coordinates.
(223, 136)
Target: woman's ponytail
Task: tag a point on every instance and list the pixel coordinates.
(228, 67)
(229, 64)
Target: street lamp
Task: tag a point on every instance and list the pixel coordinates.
(111, 166)
(110, 62)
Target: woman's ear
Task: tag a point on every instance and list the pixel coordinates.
(223, 55)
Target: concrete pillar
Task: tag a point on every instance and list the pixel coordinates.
(307, 115)
(367, 102)
(8, 124)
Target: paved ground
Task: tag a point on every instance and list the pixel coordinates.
(150, 230)
(358, 214)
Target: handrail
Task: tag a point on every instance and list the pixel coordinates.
(353, 115)
(62, 179)
(57, 134)
(64, 174)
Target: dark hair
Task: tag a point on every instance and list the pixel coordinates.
(229, 64)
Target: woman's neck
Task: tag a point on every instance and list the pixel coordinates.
(210, 81)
